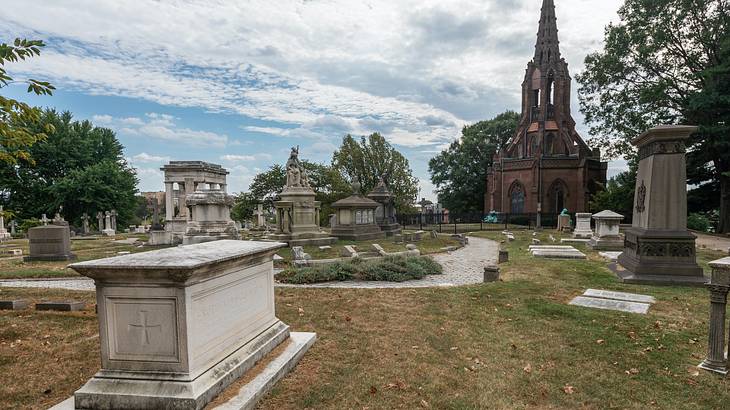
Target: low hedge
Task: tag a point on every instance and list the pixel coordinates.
(388, 269)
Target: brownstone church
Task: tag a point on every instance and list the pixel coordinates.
(546, 166)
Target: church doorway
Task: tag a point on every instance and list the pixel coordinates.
(557, 196)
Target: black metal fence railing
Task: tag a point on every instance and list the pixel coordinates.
(468, 222)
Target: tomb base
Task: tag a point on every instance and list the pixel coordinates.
(659, 257)
(303, 239)
(391, 229)
(160, 238)
(355, 233)
(108, 232)
(606, 243)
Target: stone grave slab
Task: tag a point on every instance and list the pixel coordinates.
(574, 240)
(550, 251)
(62, 306)
(609, 294)
(611, 304)
(610, 255)
(16, 304)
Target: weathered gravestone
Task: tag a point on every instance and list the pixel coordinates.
(658, 248)
(582, 226)
(49, 243)
(178, 325)
(491, 273)
(607, 235)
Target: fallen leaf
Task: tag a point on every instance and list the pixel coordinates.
(348, 318)
(600, 341)
(568, 389)
(301, 312)
(373, 390)
(692, 341)
(527, 368)
(425, 404)
(632, 370)
(454, 348)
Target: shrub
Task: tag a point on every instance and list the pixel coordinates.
(389, 268)
(698, 222)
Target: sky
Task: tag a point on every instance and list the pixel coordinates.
(238, 82)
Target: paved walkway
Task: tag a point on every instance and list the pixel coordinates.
(464, 266)
(717, 243)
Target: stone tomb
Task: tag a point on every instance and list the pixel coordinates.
(178, 325)
(385, 214)
(582, 226)
(555, 251)
(210, 217)
(355, 217)
(607, 237)
(658, 248)
(49, 243)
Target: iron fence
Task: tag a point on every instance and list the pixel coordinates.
(468, 222)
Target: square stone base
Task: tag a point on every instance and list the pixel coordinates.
(128, 390)
(606, 243)
(659, 257)
(49, 258)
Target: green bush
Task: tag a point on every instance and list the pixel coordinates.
(698, 222)
(389, 268)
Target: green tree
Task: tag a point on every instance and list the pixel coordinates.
(244, 204)
(665, 62)
(370, 158)
(17, 118)
(79, 167)
(618, 195)
(459, 172)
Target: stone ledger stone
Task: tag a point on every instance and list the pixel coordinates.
(178, 325)
(62, 306)
(610, 304)
(658, 248)
(17, 304)
(49, 243)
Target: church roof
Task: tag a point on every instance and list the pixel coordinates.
(547, 47)
(356, 200)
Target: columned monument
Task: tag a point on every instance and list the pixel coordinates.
(385, 212)
(546, 166)
(297, 213)
(183, 178)
(658, 248)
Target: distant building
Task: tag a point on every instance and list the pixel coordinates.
(546, 165)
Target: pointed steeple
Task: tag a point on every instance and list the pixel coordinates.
(547, 48)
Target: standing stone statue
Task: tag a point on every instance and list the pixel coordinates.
(13, 226)
(85, 223)
(296, 177)
(100, 221)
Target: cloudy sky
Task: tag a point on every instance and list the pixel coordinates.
(238, 82)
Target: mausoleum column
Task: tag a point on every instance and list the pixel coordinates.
(223, 187)
(169, 205)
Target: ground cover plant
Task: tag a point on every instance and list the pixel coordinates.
(395, 268)
(504, 345)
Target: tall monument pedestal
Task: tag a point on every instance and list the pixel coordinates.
(658, 248)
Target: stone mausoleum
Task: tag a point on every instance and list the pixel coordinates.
(183, 178)
(546, 166)
(355, 217)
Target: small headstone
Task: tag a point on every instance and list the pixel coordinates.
(510, 237)
(535, 241)
(349, 251)
(299, 254)
(552, 238)
(610, 304)
(491, 273)
(503, 256)
(434, 234)
(411, 247)
(63, 306)
(15, 304)
(397, 238)
(379, 249)
(325, 248)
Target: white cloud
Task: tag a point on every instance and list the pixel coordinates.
(162, 127)
(144, 157)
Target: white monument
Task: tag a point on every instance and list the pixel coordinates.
(607, 236)
(210, 212)
(183, 178)
(108, 231)
(582, 226)
(4, 234)
(178, 325)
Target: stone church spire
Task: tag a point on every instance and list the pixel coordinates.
(547, 48)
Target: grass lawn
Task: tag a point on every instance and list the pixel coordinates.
(86, 249)
(510, 344)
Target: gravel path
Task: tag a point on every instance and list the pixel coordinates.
(464, 266)
(717, 243)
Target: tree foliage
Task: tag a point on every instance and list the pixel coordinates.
(459, 172)
(369, 158)
(666, 62)
(78, 166)
(17, 133)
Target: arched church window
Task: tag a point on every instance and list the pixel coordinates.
(517, 199)
(548, 149)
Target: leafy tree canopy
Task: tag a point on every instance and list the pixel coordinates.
(17, 118)
(78, 166)
(369, 158)
(459, 172)
(666, 62)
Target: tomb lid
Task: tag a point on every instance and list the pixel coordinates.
(664, 133)
(606, 214)
(178, 263)
(723, 263)
(354, 201)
